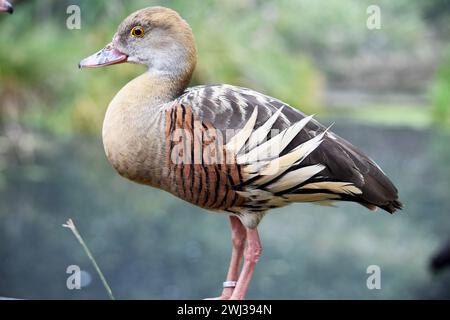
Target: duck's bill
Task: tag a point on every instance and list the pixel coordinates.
(105, 57)
(5, 6)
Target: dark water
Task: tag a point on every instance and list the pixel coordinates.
(151, 245)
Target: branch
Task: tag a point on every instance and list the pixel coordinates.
(69, 224)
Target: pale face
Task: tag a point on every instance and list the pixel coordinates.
(156, 37)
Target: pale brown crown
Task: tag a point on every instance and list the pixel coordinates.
(161, 19)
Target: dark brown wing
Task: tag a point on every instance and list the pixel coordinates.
(225, 107)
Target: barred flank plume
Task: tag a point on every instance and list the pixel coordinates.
(276, 156)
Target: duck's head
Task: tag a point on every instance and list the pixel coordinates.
(5, 6)
(157, 37)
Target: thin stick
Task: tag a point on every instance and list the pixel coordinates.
(69, 224)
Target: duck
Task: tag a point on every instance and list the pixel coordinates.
(221, 147)
(5, 6)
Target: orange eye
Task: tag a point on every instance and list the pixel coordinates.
(137, 32)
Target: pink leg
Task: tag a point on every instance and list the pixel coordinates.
(238, 235)
(252, 254)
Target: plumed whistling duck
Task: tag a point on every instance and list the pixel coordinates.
(5, 6)
(221, 147)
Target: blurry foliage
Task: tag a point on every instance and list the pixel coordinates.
(42, 87)
(281, 48)
(440, 92)
(437, 13)
(418, 117)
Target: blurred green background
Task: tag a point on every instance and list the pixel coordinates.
(387, 90)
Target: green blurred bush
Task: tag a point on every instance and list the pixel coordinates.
(287, 49)
(43, 88)
(440, 92)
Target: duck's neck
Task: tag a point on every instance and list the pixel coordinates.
(170, 72)
(157, 86)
